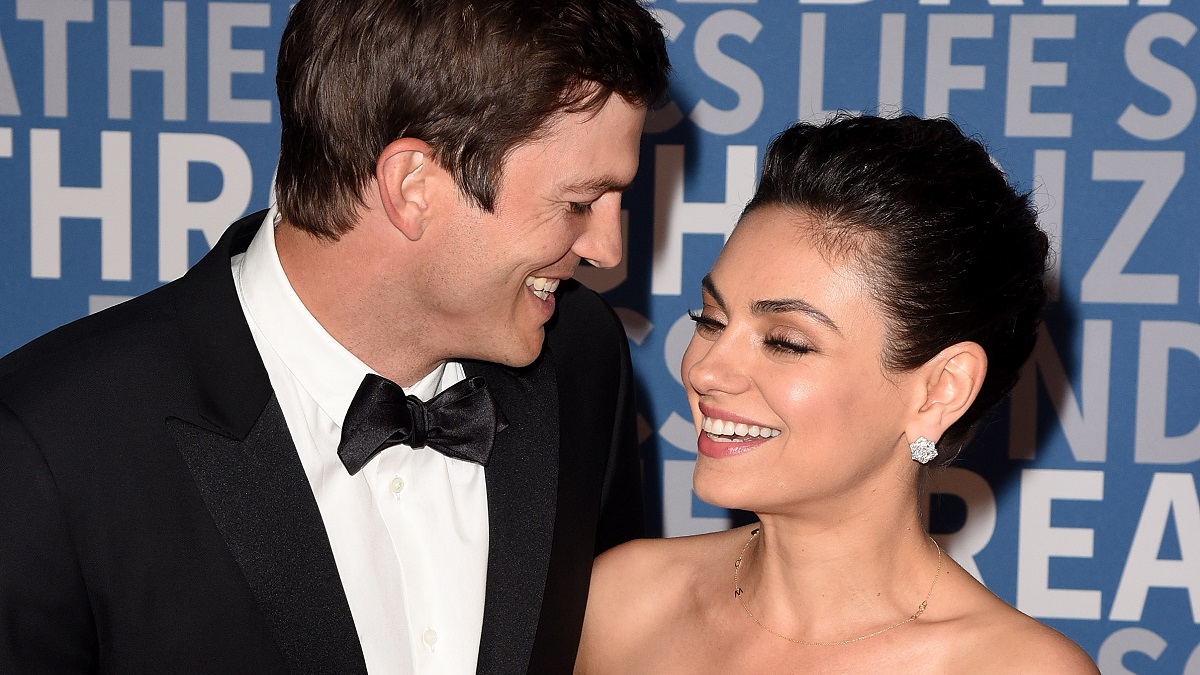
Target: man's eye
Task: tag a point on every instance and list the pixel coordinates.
(579, 208)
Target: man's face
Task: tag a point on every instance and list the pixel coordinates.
(559, 202)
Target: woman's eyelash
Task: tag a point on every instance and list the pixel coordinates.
(704, 322)
(779, 345)
(785, 346)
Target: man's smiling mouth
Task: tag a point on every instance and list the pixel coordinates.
(542, 286)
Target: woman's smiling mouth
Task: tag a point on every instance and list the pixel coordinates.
(726, 431)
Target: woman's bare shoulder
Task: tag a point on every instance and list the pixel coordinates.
(1001, 639)
(656, 568)
(643, 588)
(669, 551)
(1024, 645)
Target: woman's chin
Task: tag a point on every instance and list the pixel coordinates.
(719, 490)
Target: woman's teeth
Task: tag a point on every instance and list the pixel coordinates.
(730, 432)
(542, 286)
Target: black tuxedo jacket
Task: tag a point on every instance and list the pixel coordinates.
(154, 515)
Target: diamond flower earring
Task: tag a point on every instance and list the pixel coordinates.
(923, 450)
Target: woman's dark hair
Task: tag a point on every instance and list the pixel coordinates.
(472, 78)
(952, 252)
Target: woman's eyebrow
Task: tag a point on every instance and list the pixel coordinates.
(785, 305)
(711, 288)
(779, 306)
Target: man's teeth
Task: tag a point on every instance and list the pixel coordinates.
(722, 430)
(542, 286)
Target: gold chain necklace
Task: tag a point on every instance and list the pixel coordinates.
(737, 593)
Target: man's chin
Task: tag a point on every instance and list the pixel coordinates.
(519, 354)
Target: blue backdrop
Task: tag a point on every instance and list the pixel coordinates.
(1078, 503)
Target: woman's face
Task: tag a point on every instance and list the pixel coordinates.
(785, 377)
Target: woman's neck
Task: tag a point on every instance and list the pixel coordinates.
(837, 579)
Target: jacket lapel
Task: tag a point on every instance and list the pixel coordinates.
(261, 502)
(235, 441)
(522, 489)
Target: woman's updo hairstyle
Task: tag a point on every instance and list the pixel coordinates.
(952, 253)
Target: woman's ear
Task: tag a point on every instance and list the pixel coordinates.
(400, 176)
(948, 385)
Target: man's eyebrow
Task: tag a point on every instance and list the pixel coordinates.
(598, 185)
(785, 305)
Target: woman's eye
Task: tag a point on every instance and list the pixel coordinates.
(787, 346)
(705, 325)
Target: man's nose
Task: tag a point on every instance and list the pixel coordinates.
(601, 243)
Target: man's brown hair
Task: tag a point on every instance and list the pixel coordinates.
(472, 78)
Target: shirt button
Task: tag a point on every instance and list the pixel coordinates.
(429, 637)
(397, 485)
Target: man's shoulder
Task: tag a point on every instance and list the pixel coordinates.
(101, 350)
(115, 326)
(579, 304)
(584, 324)
(143, 332)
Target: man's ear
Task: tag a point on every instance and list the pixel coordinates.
(948, 385)
(400, 176)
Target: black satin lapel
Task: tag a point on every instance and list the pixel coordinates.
(231, 384)
(263, 506)
(522, 489)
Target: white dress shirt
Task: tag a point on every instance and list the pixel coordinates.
(410, 531)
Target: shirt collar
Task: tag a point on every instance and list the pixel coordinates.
(321, 365)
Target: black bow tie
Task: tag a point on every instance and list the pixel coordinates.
(461, 422)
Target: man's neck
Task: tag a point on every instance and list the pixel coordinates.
(356, 298)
